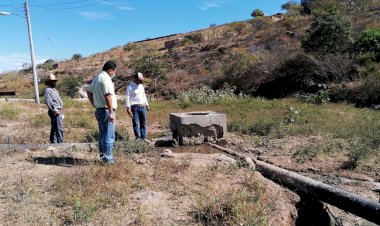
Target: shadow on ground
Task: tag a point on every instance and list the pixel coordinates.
(60, 161)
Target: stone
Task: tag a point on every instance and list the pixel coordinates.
(222, 142)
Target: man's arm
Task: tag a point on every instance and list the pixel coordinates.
(146, 101)
(49, 102)
(108, 98)
(127, 101)
(91, 98)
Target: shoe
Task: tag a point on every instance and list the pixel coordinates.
(105, 161)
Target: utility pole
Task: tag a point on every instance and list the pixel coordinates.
(35, 82)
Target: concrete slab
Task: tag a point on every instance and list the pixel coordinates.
(191, 128)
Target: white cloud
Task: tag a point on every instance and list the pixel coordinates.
(126, 8)
(96, 15)
(15, 61)
(211, 4)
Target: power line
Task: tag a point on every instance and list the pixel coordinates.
(66, 3)
(75, 7)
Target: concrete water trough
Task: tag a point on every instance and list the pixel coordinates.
(190, 128)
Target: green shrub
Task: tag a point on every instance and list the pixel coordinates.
(328, 33)
(70, 86)
(262, 127)
(47, 65)
(206, 95)
(360, 150)
(321, 97)
(239, 69)
(76, 56)
(257, 13)
(368, 42)
(368, 93)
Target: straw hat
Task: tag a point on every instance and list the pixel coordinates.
(50, 78)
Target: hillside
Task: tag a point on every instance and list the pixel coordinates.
(263, 56)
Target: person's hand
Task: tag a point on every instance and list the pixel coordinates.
(129, 112)
(147, 108)
(112, 116)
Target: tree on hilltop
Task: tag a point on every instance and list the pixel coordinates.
(257, 13)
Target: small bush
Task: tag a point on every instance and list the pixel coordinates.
(257, 13)
(321, 97)
(239, 27)
(262, 127)
(227, 32)
(235, 208)
(206, 95)
(76, 56)
(317, 147)
(8, 114)
(328, 33)
(131, 46)
(260, 23)
(196, 38)
(361, 149)
(368, 93)
(131, 147)
(91, 136)
(41, 120)
(369, 42)
(47, 65)
(70, 86)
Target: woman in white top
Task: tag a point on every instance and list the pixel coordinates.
(137, 105)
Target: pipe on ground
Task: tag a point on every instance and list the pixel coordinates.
(360, 206)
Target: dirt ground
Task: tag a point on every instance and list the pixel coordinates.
(48, 185)
(31, 183)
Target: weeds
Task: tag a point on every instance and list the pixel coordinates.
(206, 95)
(40, 120)
(317, 147)
(232, 208)
(131, 147)
(9, 114)
(361, 149)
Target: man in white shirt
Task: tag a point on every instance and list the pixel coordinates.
(137, 104)
(101, 94)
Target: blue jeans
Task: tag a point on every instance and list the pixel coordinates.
(139, 119)
(56, 132)
(106, 134)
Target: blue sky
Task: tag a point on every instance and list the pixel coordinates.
(62, 28)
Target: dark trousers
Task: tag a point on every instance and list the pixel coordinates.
(56, 132)
(139, 121)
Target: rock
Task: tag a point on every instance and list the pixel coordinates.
(168, 154)
(222, 142)
(141, 161)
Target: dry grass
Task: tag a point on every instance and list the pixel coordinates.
(162, 191)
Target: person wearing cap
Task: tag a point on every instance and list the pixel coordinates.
(137, 104)
(101, 93)
(54, 104)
